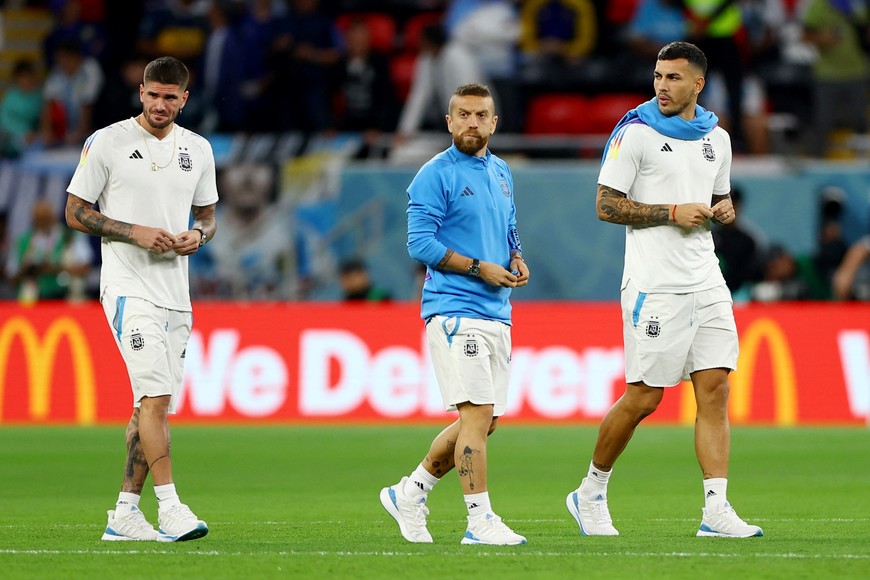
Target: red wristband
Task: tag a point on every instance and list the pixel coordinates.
(674, 214)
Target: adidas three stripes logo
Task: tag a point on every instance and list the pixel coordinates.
(666, 148)
(136, 155)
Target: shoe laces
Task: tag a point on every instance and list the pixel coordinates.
(179, 512)
(133, 518)
(600, 513)
(420, 512)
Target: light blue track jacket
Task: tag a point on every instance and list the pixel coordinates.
(464, 203)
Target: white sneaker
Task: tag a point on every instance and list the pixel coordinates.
(489, 529)
(127, 525)
(179, 524)
(592, 516)
(726, 524)
(409, 514)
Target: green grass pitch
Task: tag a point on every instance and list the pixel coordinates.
(302, 501)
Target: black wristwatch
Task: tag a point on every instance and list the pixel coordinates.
(474, 268)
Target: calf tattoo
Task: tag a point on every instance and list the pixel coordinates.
(466, 467)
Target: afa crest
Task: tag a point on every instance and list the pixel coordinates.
(504, 187)
(184, 161)
(471, 348)
(653, 328)
(708, 152)
(137, 342)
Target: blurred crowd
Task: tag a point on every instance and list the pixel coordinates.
(784, 74)
(382, 67)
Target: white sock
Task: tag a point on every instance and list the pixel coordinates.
(478, 503)
(595, 483)
(419, 483)
(127, 500)
(714, 493)
(167, 497)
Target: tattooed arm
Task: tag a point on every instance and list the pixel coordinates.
(615, 207)
(203, 219)
(82, 216)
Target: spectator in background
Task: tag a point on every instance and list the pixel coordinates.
(357, 285)
(714, 26)
(782, 278)
(69, 95)
(491, 30)
(831, 248)
(49, 261)
(852, 278)
(175, 27)
(307, 52)
(738, 251)
(69, 25)
(366, 96)
(120, 97)
(440, 66)
(839, 31)
(557, 35)
(20, 110)
(262, 39)
(223, 71)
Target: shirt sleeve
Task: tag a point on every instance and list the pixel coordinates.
(722, 185)
(427, 206)
(623, 159)
(92, 172)
(206, 189)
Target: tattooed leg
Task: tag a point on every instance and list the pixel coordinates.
(475, 422)
(156, 444)
(136, 467)
(439, 460)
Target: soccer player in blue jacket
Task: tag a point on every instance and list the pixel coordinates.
(462, 225)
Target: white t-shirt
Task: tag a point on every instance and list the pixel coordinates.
(115, 171)
(654, 169)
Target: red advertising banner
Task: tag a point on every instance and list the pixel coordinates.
(800, 363)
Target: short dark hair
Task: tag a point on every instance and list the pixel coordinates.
(686, 50)
(471, 90)
(167, 70)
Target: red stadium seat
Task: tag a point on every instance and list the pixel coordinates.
(414, 26)
(382, 28)
(402, 73)
(604, 111)
(557, 114)
(621, 11)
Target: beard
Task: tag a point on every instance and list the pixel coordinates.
(161, 125)
(469, 143)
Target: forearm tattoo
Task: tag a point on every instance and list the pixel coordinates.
(617, 208)
(717, 198)
(466, 466)
(100, 225)
(204, 218)
(444, 260)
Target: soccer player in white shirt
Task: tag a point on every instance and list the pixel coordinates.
(147, 175)
(665, 175)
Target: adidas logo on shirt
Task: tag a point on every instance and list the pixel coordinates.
(136, 155)
(666, 148)
(467, 191)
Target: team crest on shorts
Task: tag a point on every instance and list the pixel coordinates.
(653, 329)
(707, 149)
(471, 348)
(184, 161)
(137, 341)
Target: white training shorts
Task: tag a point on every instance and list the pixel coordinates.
(471, 359)
(152, 341)
(669, 336)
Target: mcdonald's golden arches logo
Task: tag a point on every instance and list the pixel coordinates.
(39, 356)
